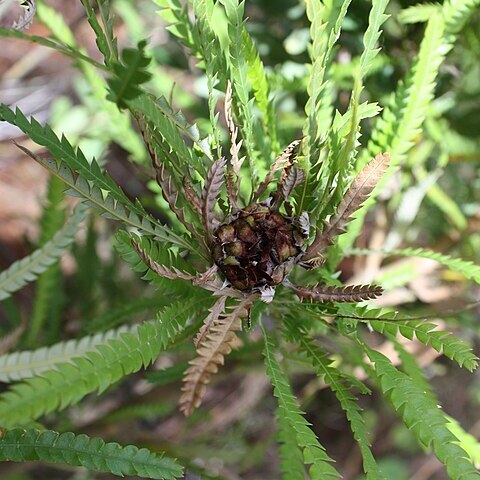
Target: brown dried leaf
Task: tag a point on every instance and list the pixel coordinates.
(213, 184)
(304, 223)
(294, 177)
(162, 270)
(191, 195)
(218, 288)
(349, 293)
(203, 280)
(170, 194)
(211, 350)
(146, 134)
(207, 276)
(232, 192)
(235, 147)
(233, 178)
(284, 160)
(165, 181)
(217, 309)
(358, 192)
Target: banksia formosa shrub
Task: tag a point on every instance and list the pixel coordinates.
(253, 239)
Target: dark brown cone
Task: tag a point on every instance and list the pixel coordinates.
(257, 248)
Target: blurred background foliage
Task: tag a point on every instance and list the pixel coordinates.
(434, 202)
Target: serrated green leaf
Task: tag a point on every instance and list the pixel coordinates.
(20, 445)
(97, 369)
(28, 363)
(313, 452)
(29, 268)
(333, 377)
(422, 416)
(129, 75)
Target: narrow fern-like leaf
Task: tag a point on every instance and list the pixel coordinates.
(199, 37)
(213, 185)
(128, 213)
(326, 19)
(358, 192)
(171, 196)
(261, 89)
(338, 166)
(375, 20)
(24, 364)
(283, 161)
(29, 268)
(349, 293)
(215, 311)
(104, 37)
(211, 351)
(95, 370)
(443, 342)
(333, 377)
(422, 416)
(168, 127)
(170, 273)
(419, 13)
(85, 178)
(314, 454)
(235, 160)
(235, 55)
(20, 445)
(425, 332)
(64, 153)
(208, 50)
(125, 246)
(130, 74)
(291, 457)
(401, 122)
(154, 251)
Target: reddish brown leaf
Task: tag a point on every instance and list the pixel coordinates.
(191, 195)
(165, 181)
(162, 270)
(350, 293)
(294, 177)
(216, 310)
(217, 343)
(284, 160)
(356, 195)
(170, 194)
(213, 184)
